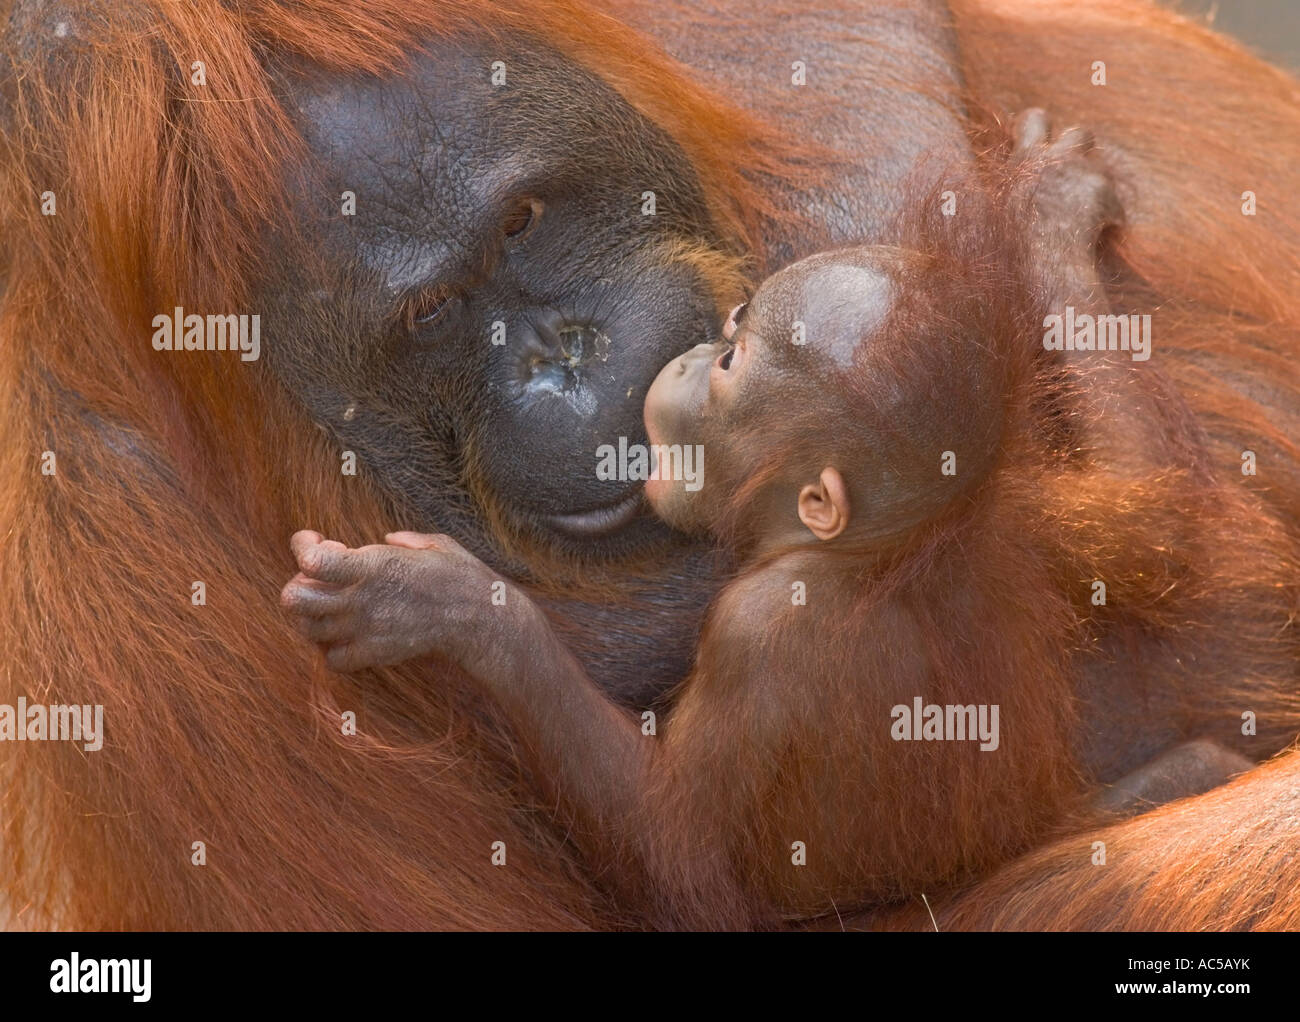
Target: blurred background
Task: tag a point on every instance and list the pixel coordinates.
(1270, 27)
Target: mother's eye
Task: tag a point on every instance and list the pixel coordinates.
(428, 307)
(521, 218)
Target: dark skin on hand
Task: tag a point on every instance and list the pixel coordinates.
(823, 472)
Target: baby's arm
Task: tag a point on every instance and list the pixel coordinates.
(635, 804)
(423, 594)
(1122, 407)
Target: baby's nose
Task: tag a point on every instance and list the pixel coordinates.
(700, 351)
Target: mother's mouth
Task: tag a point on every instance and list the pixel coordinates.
(599, 521)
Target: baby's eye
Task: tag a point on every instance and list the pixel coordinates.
(724, 361)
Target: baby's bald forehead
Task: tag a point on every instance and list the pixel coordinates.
(841, 299)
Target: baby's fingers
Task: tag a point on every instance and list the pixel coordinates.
(305, 595)
(306, 545)
(423, 541)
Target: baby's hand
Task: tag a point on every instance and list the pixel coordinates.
(378, 605)
(1074, 197)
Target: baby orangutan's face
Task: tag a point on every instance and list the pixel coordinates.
(782, 346)
(696, 400)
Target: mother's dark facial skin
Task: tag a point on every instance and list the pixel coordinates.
(501, 300)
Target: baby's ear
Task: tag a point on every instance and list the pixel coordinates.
(824, 505)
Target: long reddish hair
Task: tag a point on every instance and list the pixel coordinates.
(174, 471)
(171, 471)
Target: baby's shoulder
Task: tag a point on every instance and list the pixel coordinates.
(770, 591)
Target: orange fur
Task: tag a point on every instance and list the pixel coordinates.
(217, 728)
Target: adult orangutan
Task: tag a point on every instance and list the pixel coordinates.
(383, 185)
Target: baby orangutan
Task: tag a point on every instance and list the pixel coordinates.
(874, 441)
